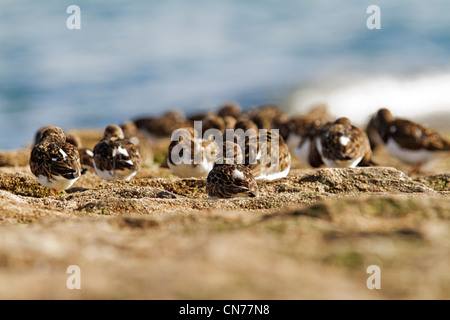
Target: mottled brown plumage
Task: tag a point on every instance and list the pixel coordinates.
(189, 156)
(265, 152)
(273, 156)
(313, 157)
(245, 125)
(373, 134)
(299, 132)
(115, 158)
(230, 122)
(70, 138)
(268, 117)
(301, 127)
(163, 126)
(39, 134)
(55, 162)
(228, 179)
(184, 136)
(87, 159)
(408, 134)
(85, 153)
(232, 109)
(223, 182)
(199, 116)
(144, 145)
(341, 144)
(408, 141)
(212, 121)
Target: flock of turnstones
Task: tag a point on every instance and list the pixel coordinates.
(57, 160)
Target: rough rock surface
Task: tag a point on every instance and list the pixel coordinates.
(311, 235)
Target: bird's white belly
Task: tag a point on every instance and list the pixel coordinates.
(352, 163)
(273, 176)
(56, 183)
(332, 163)
(272, 173)
(184, 170)
(114, 175)
(412, 157)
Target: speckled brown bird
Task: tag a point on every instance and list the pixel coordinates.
(87, 159)
(229, 178)
(274, 158)
(40, 133)
(268, 116)
(86, 154)
(343, 145)
(144, 145)
(299, 132)
(265, 151)
(230, 122)
(54, 162)
(303, 126)
(163, 126)
(246, 124)
(212, 121)
(408, 141)
(231, 109)
(301, 135)
(189, 156)
(116, 158)
(373, 135)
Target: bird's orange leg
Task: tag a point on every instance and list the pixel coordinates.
(416, 169)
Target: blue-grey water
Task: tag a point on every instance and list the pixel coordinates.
(134, 58)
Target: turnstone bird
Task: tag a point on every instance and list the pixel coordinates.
(373, 135)
(299, 132)
(39, 134)
(86, 154)
(274, 157)
(246, 125)
(189, 156)
(87, 159)
(408, 141)
(212, 121)
(199, 116)
(232, 109)
(297, 127)
(70, 138)
(268, 117)
(265, 152)
(343, 145)
(54, 162)
(163, 126)
(138, 138)
(229, 178)
(115, 158)
(230, 122)
(131, 132)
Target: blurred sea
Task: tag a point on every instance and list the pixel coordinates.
(135, 58)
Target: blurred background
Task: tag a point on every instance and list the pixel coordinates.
(143, 58)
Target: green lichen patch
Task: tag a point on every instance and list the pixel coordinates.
(23, 185)
(440, 182)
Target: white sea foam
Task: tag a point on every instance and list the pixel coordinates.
(357, 99)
